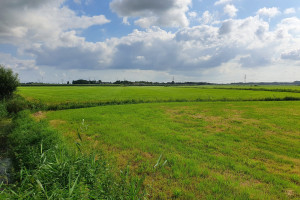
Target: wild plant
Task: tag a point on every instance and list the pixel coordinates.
(48, 169)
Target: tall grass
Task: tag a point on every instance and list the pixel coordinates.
(45, 168)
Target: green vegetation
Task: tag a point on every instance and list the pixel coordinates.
(208, 142)
(8, 82)
(224, 150)
(56, 98)
(48, 169)
(275, 88)
(3, 110)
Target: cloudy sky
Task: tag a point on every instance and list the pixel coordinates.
(193, 40)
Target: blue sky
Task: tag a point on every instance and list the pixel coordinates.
(193, 40)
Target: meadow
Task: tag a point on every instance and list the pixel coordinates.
(225, 150)
(225, 147)
(55, 98)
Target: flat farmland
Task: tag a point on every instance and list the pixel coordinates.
(53, 96)
(188, 150)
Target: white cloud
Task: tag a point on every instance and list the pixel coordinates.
(30, 22)
(220, 2)
(168, 13)
(268, 12)
(146, 22)
(47, 33)
(289, 11)
(206, 17)
(125, 21)
(192, 14)
(248, 43)
(230, 10)
(16, 64)
(289, 28)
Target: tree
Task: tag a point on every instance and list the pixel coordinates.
(9, 82)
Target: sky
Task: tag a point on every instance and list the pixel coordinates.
(55, 41)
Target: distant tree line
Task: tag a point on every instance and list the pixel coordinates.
(125, 82)
(82, 81)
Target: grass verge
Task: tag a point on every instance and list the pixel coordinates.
(45, 168)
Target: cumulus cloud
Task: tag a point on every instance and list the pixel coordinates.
(46, 32)
(168, 13)
(207, 17)
(248, 42)
(31, 21)
(209, 47)
(230, 10)
(268, 12)
(289, 28)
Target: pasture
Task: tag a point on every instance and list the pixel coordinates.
(227, 147)
(68, 97)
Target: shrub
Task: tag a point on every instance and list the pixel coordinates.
(3, 111)
(8, 82)
(16, 104)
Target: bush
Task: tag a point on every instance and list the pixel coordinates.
(16, 104)
(8, 82)
(3, 111)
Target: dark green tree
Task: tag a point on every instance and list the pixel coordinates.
(9, 82)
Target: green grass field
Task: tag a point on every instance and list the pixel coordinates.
(189, 150)
(213, 150)
(65, 97)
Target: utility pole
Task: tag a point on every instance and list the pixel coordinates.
(245, 79)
